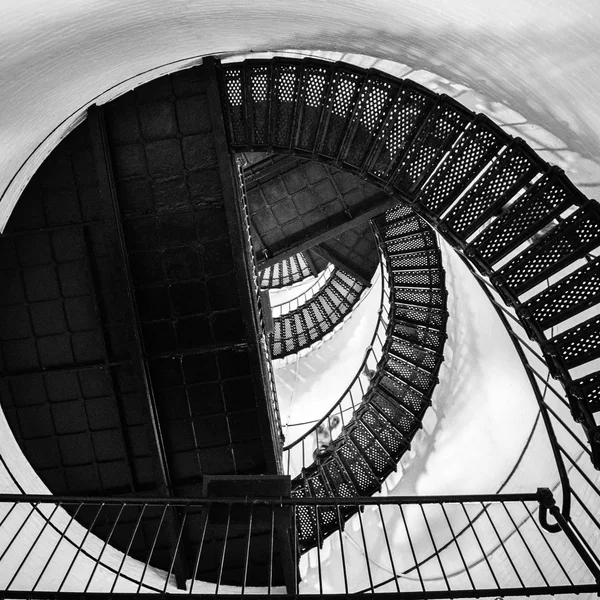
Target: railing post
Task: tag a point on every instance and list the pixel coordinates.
(548, 504)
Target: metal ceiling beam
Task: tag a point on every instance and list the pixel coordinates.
(378, 204)
(342, 262)
(108, 193)
(262, 381)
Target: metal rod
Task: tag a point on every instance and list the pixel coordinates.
(153, 546)
(342, 552)
(580, 470)
(590, 550)
(570, 431)
(39, 535)
(271, 546)
(364, 541)
(518, 530)
(412, 548)
(63, 534)
(277, 500)
(247, 555)
(389, 549)
(319, 542)
(16, 535)
(517, 344)
(439, 558)
(106, 541)
(377, 204)
(222, 562)
(455, 538)
(295, 538)
(502, 544)
(5, 517)
(88, 530)
(176, 550)
(108, 191)
(566, 527)
(534, 520)
(130, 543)
(483, 553)
(587, 510)
(200, 546)
(570, 591)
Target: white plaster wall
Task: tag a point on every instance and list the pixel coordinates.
(538, 57)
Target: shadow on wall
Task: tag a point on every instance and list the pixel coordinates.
(483, 406)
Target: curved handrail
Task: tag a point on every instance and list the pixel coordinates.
(530, 372)
(346, 402)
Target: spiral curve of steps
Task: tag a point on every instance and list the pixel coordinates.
(517, 220)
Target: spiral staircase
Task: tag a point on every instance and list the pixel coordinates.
(136, 362)
(371, 444)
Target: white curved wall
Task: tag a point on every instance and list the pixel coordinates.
(539, 57)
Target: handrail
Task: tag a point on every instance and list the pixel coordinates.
(521, 347)
(275, 422)
(443, 519)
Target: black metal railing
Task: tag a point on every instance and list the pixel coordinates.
(420, 547)
(516, 218)
(578, 480)
(271, 390)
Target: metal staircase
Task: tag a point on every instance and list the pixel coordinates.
(319, 315)
(378, 429)
(487, 193)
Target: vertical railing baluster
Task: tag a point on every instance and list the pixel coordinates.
(342, 552)
(62, 536)
(16, 535)
(80, 546)
(364, 541)
(352, 401)
(575, 538)
(439, 558)
(247, 552)
(412, 548)
(518, 530)
(177, 545)
(389, 549)
(295, 542)
(303, 453)
(222, 562)
(205, 507)
(534, 520)
(502, 544)
(153, 546)
(483, 553)
(586, 543)
(318, 532)
(39, 535)
(129, 544)
(271, 549)
(455, 538)
(104, 546)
